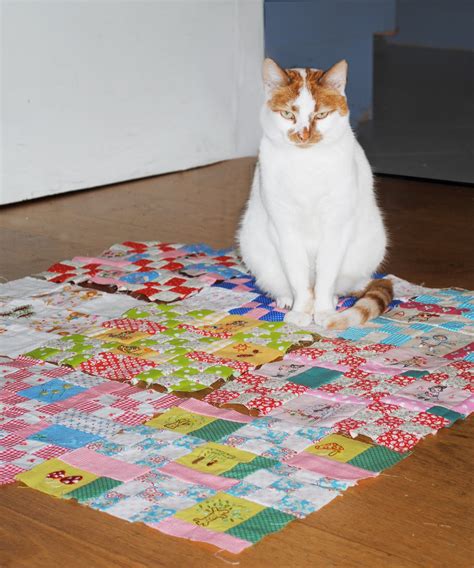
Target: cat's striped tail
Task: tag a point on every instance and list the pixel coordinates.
(373, 301)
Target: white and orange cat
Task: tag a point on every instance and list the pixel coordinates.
(312, 229)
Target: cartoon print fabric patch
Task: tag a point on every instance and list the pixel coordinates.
(156, 383)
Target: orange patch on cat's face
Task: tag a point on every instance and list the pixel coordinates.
(282, 97)
(326, 100)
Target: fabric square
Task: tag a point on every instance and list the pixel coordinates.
(55, 477)
(316, 377)
(377, 458)
(63, 436)
(103, 466)
(338, 448)
(216, 430)
(265, 522)
(450, 415)
(94, 489)
(249, 353)
(180, 420)
(52, 391)
(215, 458)
(398, 441)
(220, 513)
(241, 470)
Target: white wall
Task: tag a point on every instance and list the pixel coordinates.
(100, 91)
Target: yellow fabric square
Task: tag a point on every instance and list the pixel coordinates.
(220, 512)
(121, 336)
(231, 324)
(215, 458)
(338, 448)
(180, 420)
(136, 351)
(56, 477)
(249, 352)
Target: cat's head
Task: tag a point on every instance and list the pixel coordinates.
(304, 106)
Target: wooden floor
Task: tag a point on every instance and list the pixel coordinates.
(417, 514)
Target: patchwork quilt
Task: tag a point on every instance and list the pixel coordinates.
(158, 384)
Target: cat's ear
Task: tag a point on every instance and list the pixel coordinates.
(336, 77)
(273, 75)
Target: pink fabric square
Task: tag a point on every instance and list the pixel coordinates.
(104, 466)
(11, 440)
(177, 527)
(207, 479)
(49, 452)
(11, 454)
(329, 468)
(8, 472)
(129, 418)
(56, 372)
(14, 411)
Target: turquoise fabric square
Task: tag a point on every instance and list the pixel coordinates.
(450, 415)
(315, 377)
(415, 374)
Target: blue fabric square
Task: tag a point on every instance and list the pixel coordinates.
(427, 299)
(52, 391)
(348, 302)
(397, 339)
(355, 333)
(422, 327)
(264, 300)
(273, 316)
(453, 325)
(136, 257)
(239, 311)
(59, 435)
(227, 285)
(140, 277)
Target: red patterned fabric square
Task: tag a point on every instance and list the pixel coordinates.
(348, 424)
(264, 404)
(431, 420)
(398, 441)
(220, 397)
(116, 367)
(392, 421)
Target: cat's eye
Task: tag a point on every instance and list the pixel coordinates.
(287, 114)
(321, 115)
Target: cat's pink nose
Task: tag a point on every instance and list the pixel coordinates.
(303, 135)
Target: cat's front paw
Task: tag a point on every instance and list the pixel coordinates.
(322, 317)
(284, 302)
(301, 319)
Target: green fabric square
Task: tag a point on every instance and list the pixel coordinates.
(241, 470)
(450, 415)
(42, 353)
(93, 489)
(377, 458)
(315, 377)
(217, 430)
(267, 521)
(415, 374)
